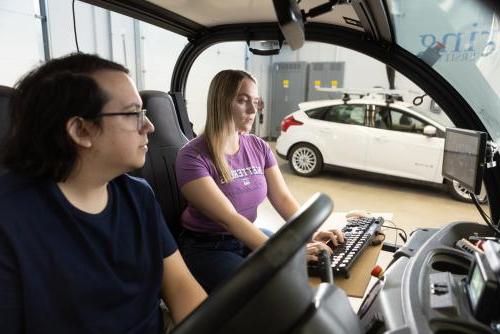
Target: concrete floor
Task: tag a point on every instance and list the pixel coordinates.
(412, 205)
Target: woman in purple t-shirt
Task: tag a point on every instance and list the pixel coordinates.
(225, 174)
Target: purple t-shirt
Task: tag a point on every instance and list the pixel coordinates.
(247, 189)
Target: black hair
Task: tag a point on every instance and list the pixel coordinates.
(37, 143)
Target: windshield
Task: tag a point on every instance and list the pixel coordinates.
(460, 39)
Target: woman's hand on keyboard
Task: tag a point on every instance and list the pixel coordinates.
(314, 248)
(331, 237)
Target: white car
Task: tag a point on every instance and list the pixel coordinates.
(376, 136)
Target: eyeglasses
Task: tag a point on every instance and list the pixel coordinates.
(141, 117)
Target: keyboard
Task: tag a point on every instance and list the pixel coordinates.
(359, 232)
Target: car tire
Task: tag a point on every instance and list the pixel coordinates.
(305, 160)
(460, 193)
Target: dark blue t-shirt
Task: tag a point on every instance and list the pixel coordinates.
(66, 271)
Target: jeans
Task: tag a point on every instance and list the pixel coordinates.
(212, 259)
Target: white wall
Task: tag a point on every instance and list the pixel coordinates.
(123, 43)
(260, 67)
(109, 35)
(160, 51)
(20, 38)
(60, 27)
(209, 63)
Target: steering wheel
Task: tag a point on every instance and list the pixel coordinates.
(272, 278)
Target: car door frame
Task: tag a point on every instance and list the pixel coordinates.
(333, 148)
(407, 154)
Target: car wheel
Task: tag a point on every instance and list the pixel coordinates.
(305, 160)
(458, 192)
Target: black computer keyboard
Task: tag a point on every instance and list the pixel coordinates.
(359, 232)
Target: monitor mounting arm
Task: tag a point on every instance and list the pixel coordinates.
(322, 9)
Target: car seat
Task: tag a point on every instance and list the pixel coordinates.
(5, 95)
(405, 120)
(164, 143)
(381, 123)
(344, 117)
(180, 107)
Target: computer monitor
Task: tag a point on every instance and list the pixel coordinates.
(270, 292)
(464, 157)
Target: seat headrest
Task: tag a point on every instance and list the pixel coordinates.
(5, 95)
(161, 112)
(404, 120)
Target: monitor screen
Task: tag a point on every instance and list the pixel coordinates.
(463, 159)
(476, 286)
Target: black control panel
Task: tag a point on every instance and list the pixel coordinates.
(437, 288)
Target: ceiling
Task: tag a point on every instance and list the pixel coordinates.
(211, 13)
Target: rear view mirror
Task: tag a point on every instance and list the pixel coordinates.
(430, 131)
(290, 21)
(266, 48)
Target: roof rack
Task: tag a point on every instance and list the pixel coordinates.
(390, 95)
(347, 96)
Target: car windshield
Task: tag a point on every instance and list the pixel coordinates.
(460, 39)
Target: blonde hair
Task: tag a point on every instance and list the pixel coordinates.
(223, 90)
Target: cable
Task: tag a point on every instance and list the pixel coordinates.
(396, 234)
(402, 235)
(74, 27)
(483, 214)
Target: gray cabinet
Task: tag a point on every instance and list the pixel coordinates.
(325, 74)
(288, 90)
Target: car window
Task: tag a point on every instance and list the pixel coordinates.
(346, 113)
(149, 52)
(405, 122)
(287, 80)
(460, 40)
(392, 119)
(317, 113)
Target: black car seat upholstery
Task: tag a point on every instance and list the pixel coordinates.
(5, 94)
(180, 107)
(164, 143)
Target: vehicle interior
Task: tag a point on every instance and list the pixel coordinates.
(426, 287)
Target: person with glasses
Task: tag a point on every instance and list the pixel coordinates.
(84, 247)
(225, 174)
(139, 114)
